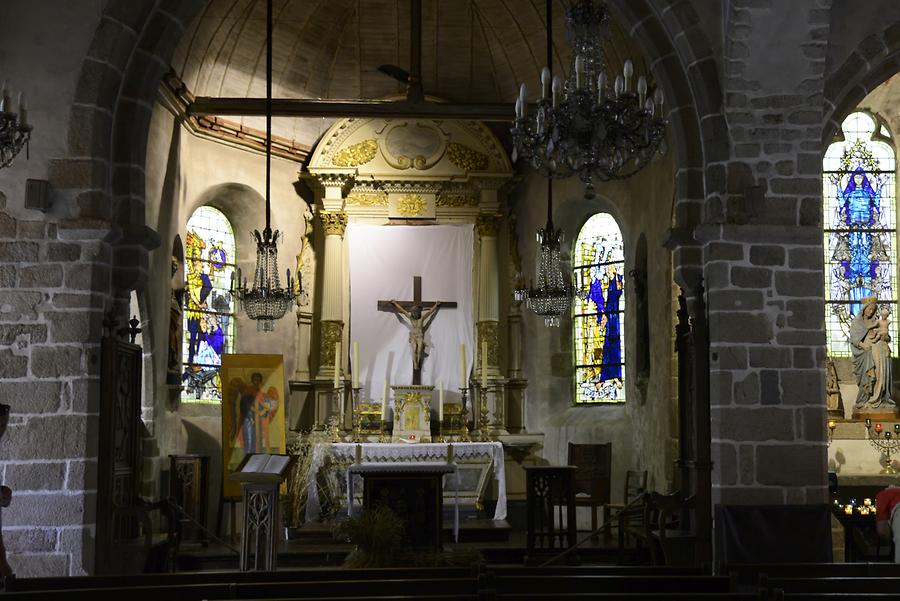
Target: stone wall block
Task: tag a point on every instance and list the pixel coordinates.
(113, 43)
(814, 423)
(64, 300)
(724, 251)
(19, 252)
(63, 251)
(56, 361)
(46, 437)
(724, 457)
(728, 357)
(767, 255)
(769, 387)
(790, 465)
(746, 466)
(801, 338)
(811, 212)
(7, 276)
(7, 225)
(720, 388)
(799, 283)
(753, 424)
(25, 334)
(735, 300)
(770, 356)
(82, 475)
(82, 395)
(46, 275)
(73, 326)
(39, 566)
(81, 173)
(23, 477)
(803, 386)
(29, 540)
(717, 275)
(12, 366)
(740, 327)
(31, 396)
(806, 258)
(746, 391)
(804, 358)
(46, 510)
(98, 85)
(751, 277)
(750, 495)
(806, 314)
(86, 276)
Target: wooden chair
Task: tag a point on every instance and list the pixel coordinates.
(592, 479)
(635, 485)
(672, 536)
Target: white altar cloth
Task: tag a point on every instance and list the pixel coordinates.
(400, 453)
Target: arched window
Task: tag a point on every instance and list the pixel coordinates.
(599, 318)
(208, 303)
(860, 226)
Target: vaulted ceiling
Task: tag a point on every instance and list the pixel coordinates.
(472, 51)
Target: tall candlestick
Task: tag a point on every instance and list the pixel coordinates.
(355, 365)
(440, 402)
(484, 363)
(462, 366)
(337, 364)
(384, 402)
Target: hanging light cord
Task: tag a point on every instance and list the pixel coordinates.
(550, 67)
(268, 109)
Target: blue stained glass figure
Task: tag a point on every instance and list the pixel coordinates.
(860, 209)
(612, 345)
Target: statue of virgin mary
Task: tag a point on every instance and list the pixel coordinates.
(871, 358)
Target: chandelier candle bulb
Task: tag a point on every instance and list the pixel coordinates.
(545, 83)
(5, 100)
(628, 72)
(620, 85)
(601, 85)
(658, 99)
(649, 107)
(355, 365)
(642, 90)
(579, 71)
(557, 85)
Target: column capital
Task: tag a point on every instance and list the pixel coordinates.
(335, 222)
(488, 225)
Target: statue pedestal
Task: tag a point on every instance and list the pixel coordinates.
(412, 413)
(876, 414)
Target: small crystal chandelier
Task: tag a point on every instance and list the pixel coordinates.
(581, 126)
(552, 297)
(14, 129)
(267, 300)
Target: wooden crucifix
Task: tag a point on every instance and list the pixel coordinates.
(417, 320)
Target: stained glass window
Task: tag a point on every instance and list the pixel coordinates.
(860, 227)
(208, 304)
(599, 317)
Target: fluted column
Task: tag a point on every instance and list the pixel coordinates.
(488, 293)
(331, 321)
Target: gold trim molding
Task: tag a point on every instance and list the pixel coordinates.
(411, 205)
(488, 225)
(469, 199)
(331, 333)
(467, 158)
(358, 154)
(488, 331)
(334, 222)
(367, 199)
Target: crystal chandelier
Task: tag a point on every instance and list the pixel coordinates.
(267, 300)
(14, 129)
(583, 126)
(552, 296)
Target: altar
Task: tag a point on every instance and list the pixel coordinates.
(467, 486)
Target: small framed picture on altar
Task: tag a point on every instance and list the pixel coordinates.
(253, 408)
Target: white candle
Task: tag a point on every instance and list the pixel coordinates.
(601, 84)
(484, 363)
(440, 402)
(545, 83)
(620, 85)
(337, 364)
(23, 113)
(557, 89)
(462, 366)
(642, 90)
(355, 364)
(384, 402)
(4, 99)
(628, 71)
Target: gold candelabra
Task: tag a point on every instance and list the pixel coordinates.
(484, 432)
(884, 441)
(355, 409)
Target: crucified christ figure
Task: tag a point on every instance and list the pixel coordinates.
(418, 323)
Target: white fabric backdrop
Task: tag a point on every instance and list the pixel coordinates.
(383, 261)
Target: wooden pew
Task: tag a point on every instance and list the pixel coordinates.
(749, 573)
(534, 584)
(833, 585)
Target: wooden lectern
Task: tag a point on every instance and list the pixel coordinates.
(261, 476)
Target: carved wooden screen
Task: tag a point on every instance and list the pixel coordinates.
(119, 461)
